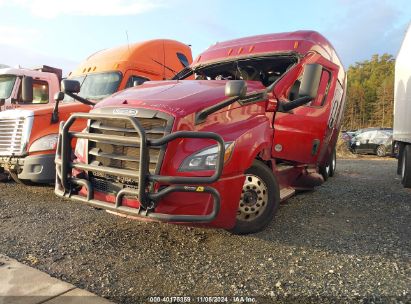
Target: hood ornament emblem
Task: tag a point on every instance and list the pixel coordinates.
(125, 111)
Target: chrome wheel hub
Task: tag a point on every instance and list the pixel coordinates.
(254, 198)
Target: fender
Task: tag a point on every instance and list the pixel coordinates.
(256, 141)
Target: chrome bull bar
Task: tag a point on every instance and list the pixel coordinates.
(148, 199)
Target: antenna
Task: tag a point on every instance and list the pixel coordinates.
(128, 42)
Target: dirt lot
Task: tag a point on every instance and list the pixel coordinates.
(349, 239)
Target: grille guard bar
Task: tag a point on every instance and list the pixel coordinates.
(148, 200)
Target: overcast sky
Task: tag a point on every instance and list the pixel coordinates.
(64, 32)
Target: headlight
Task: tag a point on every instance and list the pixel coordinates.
(80, 147)
(206, 159)
(357, 143)
(48, 142)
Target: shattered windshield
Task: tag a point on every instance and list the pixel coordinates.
(6, 85)
(97, 86)
(264, 69)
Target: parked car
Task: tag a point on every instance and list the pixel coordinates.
(376, 141)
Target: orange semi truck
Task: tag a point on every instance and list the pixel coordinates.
(28, 135)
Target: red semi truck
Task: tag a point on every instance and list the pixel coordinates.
(259, 121)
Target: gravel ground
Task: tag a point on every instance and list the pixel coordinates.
(347, 241)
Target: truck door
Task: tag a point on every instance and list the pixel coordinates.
(302, 134)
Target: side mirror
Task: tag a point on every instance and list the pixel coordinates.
(236, 88)
(59, 96)
(308, 88)
(27, 89)
(70, 86)
(311, 80)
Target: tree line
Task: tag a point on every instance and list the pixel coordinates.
(370, 93)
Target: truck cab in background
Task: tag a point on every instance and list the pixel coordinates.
(29, 135)
(402, 110)
(21, 87)
(250, 122)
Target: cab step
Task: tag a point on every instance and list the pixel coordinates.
(286, 193)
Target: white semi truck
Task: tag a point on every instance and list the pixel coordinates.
(21, 88)
(402, 109)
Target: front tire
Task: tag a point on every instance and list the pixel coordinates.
(20, 181)
(325, 170)
(4, 176)
(406, 167)
(260, 199)
(381, 151)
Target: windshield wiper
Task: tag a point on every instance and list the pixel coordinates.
(168, 68)
(183, 73)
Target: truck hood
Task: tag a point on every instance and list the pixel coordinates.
(38, 110)
(178, 98)
(16, 113)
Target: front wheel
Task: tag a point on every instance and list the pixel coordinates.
(14, 177)
(406, 167)
(4, 176)
(325, 170)
(260, 199)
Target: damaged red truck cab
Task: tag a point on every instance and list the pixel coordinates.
(259, 121)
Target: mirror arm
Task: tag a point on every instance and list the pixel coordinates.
(288, 106)
(202, 115)
(55, 114)
(81, 99)
(59, 96)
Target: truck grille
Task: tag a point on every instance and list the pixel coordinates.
(11, 136)
(123, 156)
